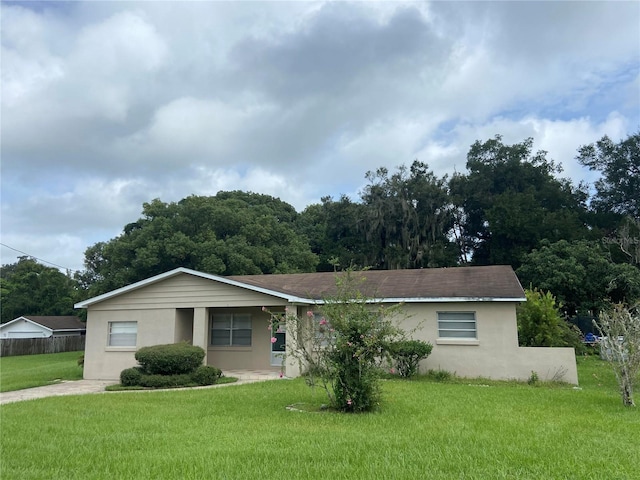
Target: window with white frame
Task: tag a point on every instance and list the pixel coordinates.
(230, 330)
(457, 325)
(123, 334)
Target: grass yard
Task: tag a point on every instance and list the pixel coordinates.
(28, 371)
(423, 430)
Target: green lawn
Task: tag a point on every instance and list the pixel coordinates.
(27, 371)
(423, 430)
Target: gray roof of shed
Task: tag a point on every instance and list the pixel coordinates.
(58, 322)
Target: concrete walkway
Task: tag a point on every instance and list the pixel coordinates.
(82, 387)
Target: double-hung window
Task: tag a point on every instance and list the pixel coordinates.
(231, 330)
(123, 334)
(457, 325)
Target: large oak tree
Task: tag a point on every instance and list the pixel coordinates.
(511, 199)
(232, 233)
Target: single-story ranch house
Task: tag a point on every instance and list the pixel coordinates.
(467, 313)
(38, 326)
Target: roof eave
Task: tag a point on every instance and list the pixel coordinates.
(177, 271)
(293, 299)
(450, 299)
(436, 300)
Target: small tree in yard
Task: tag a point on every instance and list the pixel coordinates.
(540, 323)
(342, 345)
(621, 327)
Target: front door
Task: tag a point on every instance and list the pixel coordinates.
(278, 345)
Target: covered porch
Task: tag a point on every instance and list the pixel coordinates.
(237, 339)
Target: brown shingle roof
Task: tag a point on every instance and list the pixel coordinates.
(58, 322)
(489, 282)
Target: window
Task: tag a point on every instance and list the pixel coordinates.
(123, 334)
(457, 325)
(231, 330)
(323, 332)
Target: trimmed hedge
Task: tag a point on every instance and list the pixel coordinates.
(407, 354)
(206, 375)
(170, 366)
(170, 359)
(166, 381)
(130, 377)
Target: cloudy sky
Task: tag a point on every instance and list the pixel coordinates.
(106, 105)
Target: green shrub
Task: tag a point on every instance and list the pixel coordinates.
(130, 377)
(540, 323)
(171, 359)
(206, 375)
(166, 381)
(406, 355)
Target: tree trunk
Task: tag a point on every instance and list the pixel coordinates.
(626, 387)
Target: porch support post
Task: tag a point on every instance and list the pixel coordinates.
(292, 365)
(200, 329)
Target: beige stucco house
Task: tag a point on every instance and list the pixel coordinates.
(467, 313)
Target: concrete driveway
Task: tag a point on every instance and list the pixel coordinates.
(82, 387)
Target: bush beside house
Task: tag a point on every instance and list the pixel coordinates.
(168, 366)
(407, 354)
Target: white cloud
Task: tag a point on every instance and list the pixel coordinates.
(106, 105)
(58, 251)
(191, 131)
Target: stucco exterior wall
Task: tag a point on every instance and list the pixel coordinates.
(178, 308)
(165, 314)
(495, 354)
(155, 326)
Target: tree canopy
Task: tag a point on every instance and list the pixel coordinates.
(408, 216)
(511, 206)
(403, 220)
(232, 233)
(30, 288)
(510, 200)
(581, 275)
(618, 189)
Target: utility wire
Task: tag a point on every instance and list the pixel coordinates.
(39, 259)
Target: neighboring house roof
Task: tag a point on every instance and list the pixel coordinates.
(53, 323)
(456, 284)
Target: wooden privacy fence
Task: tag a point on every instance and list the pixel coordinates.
(10, 347)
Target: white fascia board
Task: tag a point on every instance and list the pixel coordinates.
(6, 324)
(436, 300)
(177, 271)
(448, 299)
(26, 320)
